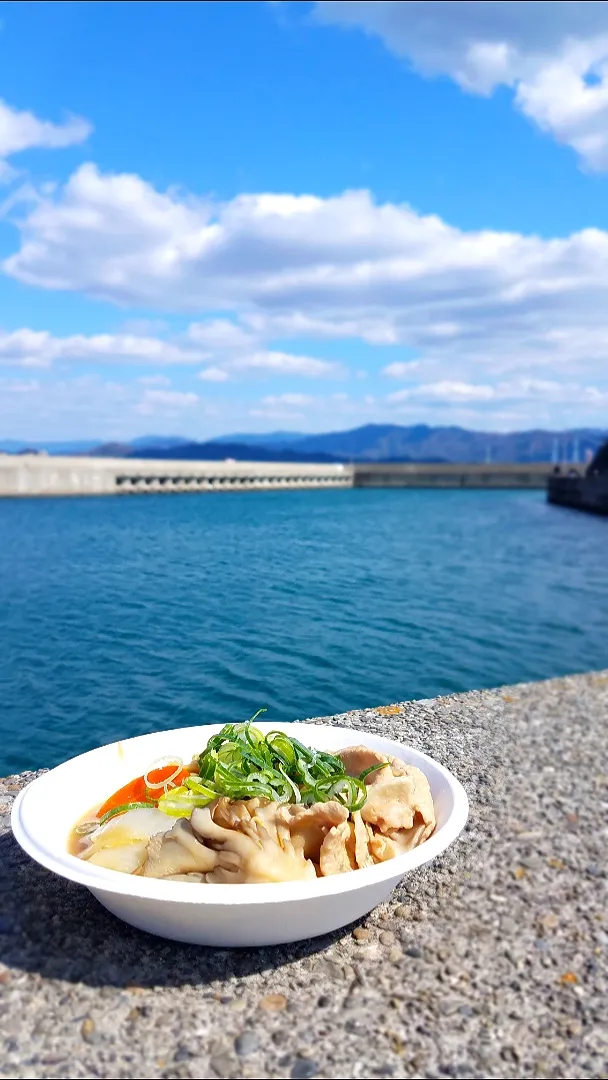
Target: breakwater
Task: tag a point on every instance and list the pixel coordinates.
(34, 474)
(37, 474)
(451, 475)
(589, 493)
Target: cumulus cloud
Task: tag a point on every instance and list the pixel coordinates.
(39, 349)
(514, 392)
(471, 307)
(91, 406)
(20, 386)
(323, 268)
(171, 401)
(154, 380)
(214, 374)
(297, 400)
(39, 408)
(553, 56)
(373, 330)
(400, 369)
(220, 335)
(22, 130)
(283, 363)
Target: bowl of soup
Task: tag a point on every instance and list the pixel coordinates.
(242, 835)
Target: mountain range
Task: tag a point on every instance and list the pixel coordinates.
(372, 442)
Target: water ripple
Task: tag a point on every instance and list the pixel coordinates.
(119, 616)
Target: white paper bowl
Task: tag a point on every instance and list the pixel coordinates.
(224, 915)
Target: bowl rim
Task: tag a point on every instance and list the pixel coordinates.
(99, 879)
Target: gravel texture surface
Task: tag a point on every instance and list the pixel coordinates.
(489, 963)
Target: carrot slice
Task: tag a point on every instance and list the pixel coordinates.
(136, 790)
(158, 775)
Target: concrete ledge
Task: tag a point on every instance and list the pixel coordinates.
(489, 963)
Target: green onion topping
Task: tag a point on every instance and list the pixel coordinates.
(240, 762)
(123, 809)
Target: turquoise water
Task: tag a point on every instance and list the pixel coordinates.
(121, 616)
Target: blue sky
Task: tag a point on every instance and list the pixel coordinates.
(225, 216)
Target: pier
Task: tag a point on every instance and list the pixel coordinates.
(39, 474)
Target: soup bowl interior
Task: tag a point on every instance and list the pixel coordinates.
(45, 813)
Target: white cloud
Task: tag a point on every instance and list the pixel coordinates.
(154, 380)
(284, 364)
(16, 386)
(400, 369)
(219, 335)
(293, 400)
(445, 391)
(21, 130)
(83, 406)
(91, 406)
(337, 267)
(553, 55)
(237, 349)
(39, 349)
(171, 397)
(214, 374)
(277, 412)
(163, 401)
(473, 307)
(545, 391)
(144, 327)
(375, 331)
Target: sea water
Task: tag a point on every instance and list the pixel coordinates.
(125, 615)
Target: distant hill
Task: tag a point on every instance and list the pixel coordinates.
(275, 439)
(92, 446)
(115, 449)
(372, 442)
(74, 446)
(219, 451)
(390, 442)
(156, 445)
(166, 442)
(393, 442)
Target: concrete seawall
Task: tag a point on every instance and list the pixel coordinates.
(489, 962)
(33, 474)
(534, 475)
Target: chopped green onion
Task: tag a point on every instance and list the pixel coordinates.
(180, 802)
(194, 785)
(254, 717)
(240, 762)
(373, 768)
(116, 810)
